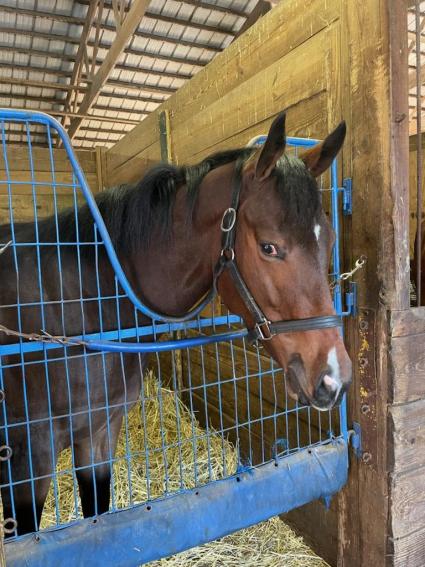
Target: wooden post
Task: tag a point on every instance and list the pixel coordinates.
(100, 167)
(2, 552)
(377, 107)
(166, 157)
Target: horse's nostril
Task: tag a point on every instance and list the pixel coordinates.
(330, 383)
(327, 388)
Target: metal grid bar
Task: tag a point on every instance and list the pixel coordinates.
(252, 394)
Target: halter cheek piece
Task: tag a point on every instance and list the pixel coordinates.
(263, 329)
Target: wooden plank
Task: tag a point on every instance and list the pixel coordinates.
(408, 359)
(263, 44)
(306, 119)
(408, 502)
(18, 160)
(284, 29)
(409, 551)
(408, 431)
(128, 26)
(133, 170)
(250, 102)
(396, 242)
(408, 322)
(101, 167)
(374, 46)
(318, 526)
(136, 142)
(43, 177)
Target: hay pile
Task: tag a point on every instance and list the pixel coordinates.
(270, 544)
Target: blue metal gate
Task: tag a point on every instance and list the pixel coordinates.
(283, 455)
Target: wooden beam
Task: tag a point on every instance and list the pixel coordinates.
(34, 83)
(412, 77)
(124, 67)
(141, 34)
(57, 102)
(106, 46)
(133, 86)
(260, 9)
(138, 87)
(197, 4)
(55, 16)
(98, 62)
(129, 25)
(44, 70)
(92, 10)
(95, 117)
(412, 43)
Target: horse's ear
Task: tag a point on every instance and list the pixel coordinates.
(320, 157)
(272, 149)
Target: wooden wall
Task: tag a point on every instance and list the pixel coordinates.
(407, 422)
(20, 171)
(325, 60)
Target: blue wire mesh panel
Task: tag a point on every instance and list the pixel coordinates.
(74, 377)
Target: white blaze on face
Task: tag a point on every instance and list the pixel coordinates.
(317, 229)
(333, 382)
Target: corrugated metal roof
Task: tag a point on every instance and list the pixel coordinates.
(39, 44)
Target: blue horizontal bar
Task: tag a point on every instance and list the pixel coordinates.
(162, 346)
(42, 118)
(35, 346)
(165, 527)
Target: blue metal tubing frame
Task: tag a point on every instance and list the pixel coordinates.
(110, 346)
(166, 527)
(45, 119)
(189, 517)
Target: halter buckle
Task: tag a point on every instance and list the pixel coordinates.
(261, 335)
(227, 225)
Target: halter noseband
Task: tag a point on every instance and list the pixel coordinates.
(263, 329)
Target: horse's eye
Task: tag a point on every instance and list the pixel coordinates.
(269, 249)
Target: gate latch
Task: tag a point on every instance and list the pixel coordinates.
(347, 196)
(351, 299)
(356, 439)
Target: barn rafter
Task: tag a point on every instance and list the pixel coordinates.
(89, 65)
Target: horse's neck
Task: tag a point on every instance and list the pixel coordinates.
(172, 275)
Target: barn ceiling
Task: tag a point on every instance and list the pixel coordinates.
(101, 66)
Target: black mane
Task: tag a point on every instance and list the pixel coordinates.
(132, 212)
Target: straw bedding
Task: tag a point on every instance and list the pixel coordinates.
(269, 544)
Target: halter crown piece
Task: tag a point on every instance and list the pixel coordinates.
(263, 329)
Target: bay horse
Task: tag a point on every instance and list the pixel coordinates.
(166, 231)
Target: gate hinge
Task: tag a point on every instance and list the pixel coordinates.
(347, 196)
(356, 439)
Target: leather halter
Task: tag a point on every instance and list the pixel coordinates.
(263, 329)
